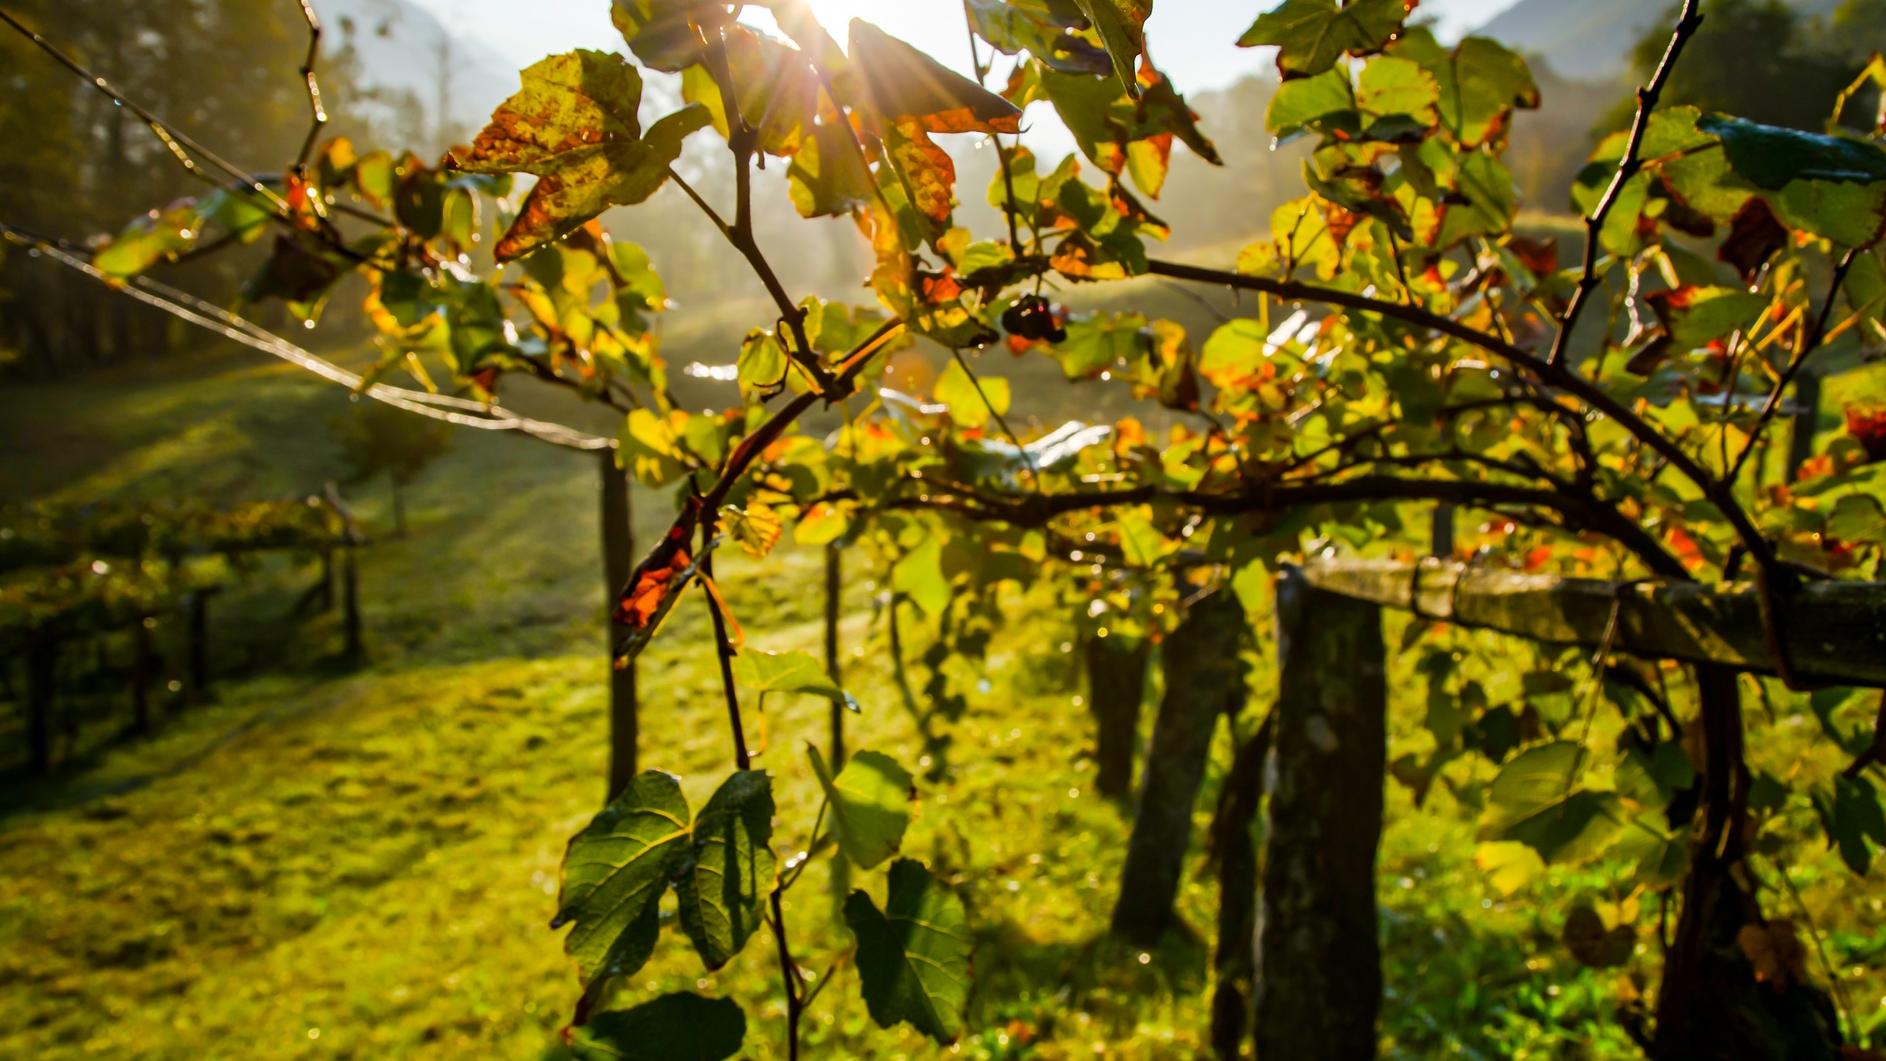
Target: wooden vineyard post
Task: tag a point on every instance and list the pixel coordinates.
(1318, 983)
(1806, 421)
(1234, 855)
(142, 661)
(42, 658)
(354, 647)
(198, 636)
(326, 588)
(618, 554)
(1204, 679)
(1116, 687)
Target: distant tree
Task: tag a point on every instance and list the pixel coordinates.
(376, 438)
(1764, 60)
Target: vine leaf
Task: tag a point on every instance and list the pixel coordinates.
(902, 82)
(574, 125)
(966, 396)
(1771, 157)
(1310, 35)
(913, 956)
(1042, 28)
(869, 805)
(679, 1027)
(731, 869)
(826, 177)
(614, 873)
(788, 672)
(662, 33)
(1122, 28)
(1532, 800)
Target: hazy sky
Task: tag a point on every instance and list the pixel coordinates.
(1190, 39)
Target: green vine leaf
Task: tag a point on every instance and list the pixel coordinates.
(869, 805)
(614, 873)
(574, 125)
(679, 1027)
(1771, 157)
(1311, 35)
(787, 672)
(731, 869)
(1122, 28)
(1534, 800)
(913, 956)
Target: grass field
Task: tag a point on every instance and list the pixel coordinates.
(363, 863)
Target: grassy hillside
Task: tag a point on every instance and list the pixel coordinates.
(363, 863)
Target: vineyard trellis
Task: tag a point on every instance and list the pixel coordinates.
(1454, 362)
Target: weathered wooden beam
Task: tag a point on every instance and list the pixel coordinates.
(1835, 632)
(1318, 982)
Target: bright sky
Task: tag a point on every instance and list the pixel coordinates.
(1190, 39)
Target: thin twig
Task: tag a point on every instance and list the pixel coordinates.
(1718, 493)
(1628, 167)
(1809, 344)
(317, 119)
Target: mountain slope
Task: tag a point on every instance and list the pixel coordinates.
(1591, 39)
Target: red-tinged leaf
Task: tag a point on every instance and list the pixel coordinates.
(1540, 256)
(1866, 422)
(656, 584)
(1686, 548)
(1754, 236)
(1654, 353)
(901, 82)
(928, 174)
(574, 125)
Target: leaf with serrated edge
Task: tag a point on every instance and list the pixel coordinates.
(1310, 35)
(731, 870)
(574, 125)
(614, 873)
(869, 805)
(913, 957)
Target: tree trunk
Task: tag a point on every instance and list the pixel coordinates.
(1116, 687)
(42, 657)
(618, 561)
(1204, 679)
(1318, 979)
(1710, 1006)
(1235, 855)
